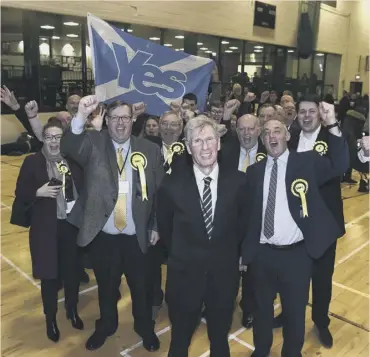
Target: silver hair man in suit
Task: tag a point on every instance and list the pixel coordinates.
(115, 212)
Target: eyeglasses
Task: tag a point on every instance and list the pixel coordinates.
(172, 125)
(125, 119)
(49, 138)
(200, 143)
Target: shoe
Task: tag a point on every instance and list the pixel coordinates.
(95, 341)
(349, 180)
(278, 321)
(84, 277)
(52, 330)
(76, 321)
(363, 186)
(247, 321)
(151, 343)
(325, 337)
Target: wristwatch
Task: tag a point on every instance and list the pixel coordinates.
(331, 126)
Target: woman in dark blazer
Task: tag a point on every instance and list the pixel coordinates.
(45, 203)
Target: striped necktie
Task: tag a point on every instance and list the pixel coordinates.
(268, 227)
(207, 206)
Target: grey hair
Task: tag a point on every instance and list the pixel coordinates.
(200, 121)
(170, 112)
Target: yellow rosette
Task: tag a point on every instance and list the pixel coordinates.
(320, 147)
(63, 170)
(260, 156)
(299, 188)
(175, 148)
(138, 162)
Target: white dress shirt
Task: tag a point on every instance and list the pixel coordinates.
(164, 151)
(362, 157)
(307, 140)
(252, 156)
(199, 177)
(286, 230)
(77, 126)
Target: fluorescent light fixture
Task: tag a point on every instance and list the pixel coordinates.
(225, 42)
(154, 38)
(204, 48)
(258, 47)
(180, 37)
(290, 51)
(72, 35)
(319, 54)
(228, 51)
(168, 44)
(208, 51)
(47, 27)
(130, 30)
(43, 39)
(177, 49)
(233, 48)
(181, 49)
(214, 54)
(200, 43)
(56, 38)
(257, 50)
(71, 23)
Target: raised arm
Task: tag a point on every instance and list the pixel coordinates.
(32, 110)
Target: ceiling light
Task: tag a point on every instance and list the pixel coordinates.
(43, 39)
(47, 27)
(225, 42)
(180, 37)
(319, 54)
(130, 30)
(70, 23)
(177, 49)
(228, 51)
(214, 54)
(290, 51)
(168, 44)
(233, 48)
(72, 35)
(154, 38)
(204, 48)
(56, 38)
(208, 51)
(200, 43)
(181, 49)
(258, 47)
(257, 50)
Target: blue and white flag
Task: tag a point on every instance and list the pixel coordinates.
(135, 70)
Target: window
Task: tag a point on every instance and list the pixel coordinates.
(207, 46)
(174, 39)
(332, 71)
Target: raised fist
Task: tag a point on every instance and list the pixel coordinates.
(87, 105)
(365, 145)
(176, 105)
(8, 98)
(32, 109)
(327, 113)
(138, 109)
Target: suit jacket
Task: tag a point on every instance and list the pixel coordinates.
(319, 229)
(192, 256)
(41, 213)
(94, 152)
(331, 190)
(230, 153)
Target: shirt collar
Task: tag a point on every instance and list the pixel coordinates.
(283, 157)
(125, 145)
(254, 148)
(199, 175)
(310, 135)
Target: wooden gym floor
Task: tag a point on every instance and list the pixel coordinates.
(22, 320)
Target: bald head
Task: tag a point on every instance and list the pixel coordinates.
(72, 104)
(64, 117)
(248, 130)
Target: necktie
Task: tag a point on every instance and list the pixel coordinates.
(246, 162)
(120, 214)
(207, 206)
(268, 228)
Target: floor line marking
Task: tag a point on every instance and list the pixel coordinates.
(3, 205)
(351, 290)
(359, 218)
(245, 344)
(91, 288)
(350, 255)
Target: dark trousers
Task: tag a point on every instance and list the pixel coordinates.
(287, 271)
(247, 300)
(110, 256)
(156, 256)
(322, 274)
(185, 303)
(15, 148)
(67, 270)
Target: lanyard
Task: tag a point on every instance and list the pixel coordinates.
(124, 163)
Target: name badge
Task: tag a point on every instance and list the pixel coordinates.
(124, 187)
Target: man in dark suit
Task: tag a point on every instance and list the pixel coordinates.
(201, 219)
(315, 136)
(290, 225)
(239, 155)
(115, 212)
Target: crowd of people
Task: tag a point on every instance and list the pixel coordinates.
(246, 193)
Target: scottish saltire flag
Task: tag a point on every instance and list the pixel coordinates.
(135, 70)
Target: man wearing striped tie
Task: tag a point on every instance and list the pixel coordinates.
(289, 226)
(201, 220)
(115, 213)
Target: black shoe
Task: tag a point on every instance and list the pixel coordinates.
(278, 321)
(247, 321)
(325, 337)
(95, 341)
(52, 330)
(84, 277)
(76, 321)
(349, 180)
(151, 343)
(363, 186)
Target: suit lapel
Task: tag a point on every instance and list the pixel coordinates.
(112, 157)
(222, 191)
(135, 173)
(290, 176)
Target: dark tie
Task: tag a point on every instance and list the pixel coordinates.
(207, 206)
(268, 228)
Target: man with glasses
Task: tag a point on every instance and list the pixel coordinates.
(115, 212)
(201, 220)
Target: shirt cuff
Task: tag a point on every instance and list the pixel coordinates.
(77, 124)
(362, 157)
